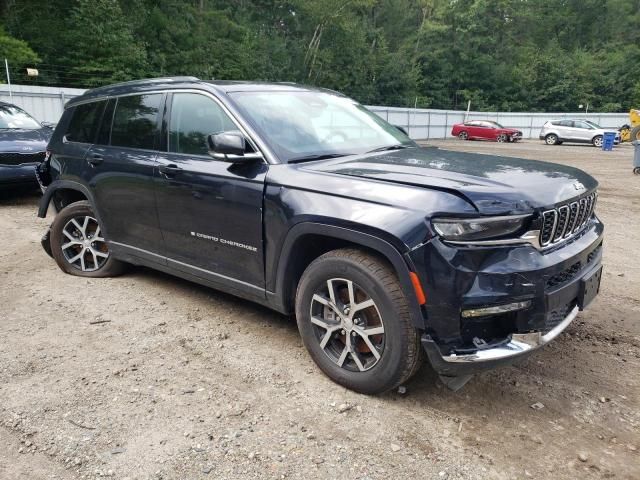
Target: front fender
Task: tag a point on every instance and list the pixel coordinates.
(400, 263)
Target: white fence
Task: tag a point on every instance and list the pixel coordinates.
(47, 103)
(425, 124)
(44, 103)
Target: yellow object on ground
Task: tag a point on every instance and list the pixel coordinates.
(631, 132)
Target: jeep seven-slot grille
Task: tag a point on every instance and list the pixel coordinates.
(566, 220)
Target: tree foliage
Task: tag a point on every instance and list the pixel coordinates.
(501, 54)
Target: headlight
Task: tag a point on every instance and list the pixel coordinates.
(481, 228)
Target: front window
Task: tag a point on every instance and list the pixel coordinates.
(300, 124)
(12, 117)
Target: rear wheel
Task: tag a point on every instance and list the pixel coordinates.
(551, 139)
(354, 320)
(78, 246)
(636, 171)
(597, 141)
(463, 135)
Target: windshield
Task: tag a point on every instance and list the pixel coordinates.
(299, 124)
(13, 117)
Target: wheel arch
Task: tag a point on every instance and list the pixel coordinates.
(65, 191)
(307, 241)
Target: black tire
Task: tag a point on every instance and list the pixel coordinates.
(92, 261)
(636, 171)
(551, 139)
(463, 135)
(371, 277)
(597, 141)
(635, 134)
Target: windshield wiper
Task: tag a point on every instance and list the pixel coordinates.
(397, 146)
(322, 156)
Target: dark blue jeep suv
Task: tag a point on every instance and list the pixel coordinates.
(302, 200)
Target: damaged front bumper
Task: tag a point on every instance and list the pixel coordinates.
(488, 307)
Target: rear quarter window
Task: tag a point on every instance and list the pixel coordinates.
(84, 123)
(135, 121)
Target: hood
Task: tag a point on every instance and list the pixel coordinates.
(23, 140)
(494, 184)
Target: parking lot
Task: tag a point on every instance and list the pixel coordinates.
(147, 376)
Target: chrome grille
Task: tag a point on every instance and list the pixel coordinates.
(566, 220)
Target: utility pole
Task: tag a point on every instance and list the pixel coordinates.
(6, 66)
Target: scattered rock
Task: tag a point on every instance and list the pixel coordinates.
(537, 406)
(318, 460)
(395, 447)
(206, 470)
(117, 451)
(402, 390)
(583, 457)
(344, 407)
(604, 399)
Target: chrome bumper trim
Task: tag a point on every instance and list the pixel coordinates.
(519, 344)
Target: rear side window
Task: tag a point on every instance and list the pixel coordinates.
(193, 118)
(135, 122)
(84, 122)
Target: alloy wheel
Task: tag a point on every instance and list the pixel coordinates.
(85, 248)
(463, 135)
(598, 142)
(501, 138)
(347, 325)
(551, 139)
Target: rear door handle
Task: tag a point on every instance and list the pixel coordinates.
(95, 159)
(169, 170)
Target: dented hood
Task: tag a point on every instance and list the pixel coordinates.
(493, 184)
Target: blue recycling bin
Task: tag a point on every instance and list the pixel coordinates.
(607, 141)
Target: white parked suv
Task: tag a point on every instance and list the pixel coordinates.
(556, 132)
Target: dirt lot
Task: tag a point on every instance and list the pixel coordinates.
(181, 382)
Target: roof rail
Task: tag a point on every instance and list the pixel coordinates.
(147, 81)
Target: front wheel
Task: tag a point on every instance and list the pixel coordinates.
(502, 138)
(78, 246)
(463, 135)
(354, 320)
(597, 141)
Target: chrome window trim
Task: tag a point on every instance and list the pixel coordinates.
(254, 139)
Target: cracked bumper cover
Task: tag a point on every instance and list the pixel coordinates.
(518, 346)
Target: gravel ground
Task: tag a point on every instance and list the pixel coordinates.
(147, 376)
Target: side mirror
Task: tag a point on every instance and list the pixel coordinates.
(230, 147)
(402, 129)
(48, 125)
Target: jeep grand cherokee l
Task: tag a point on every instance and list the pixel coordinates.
(302, 200)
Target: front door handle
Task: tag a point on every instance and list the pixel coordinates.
(95, 159)
(169, 170)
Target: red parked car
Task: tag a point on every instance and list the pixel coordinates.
(485, 130)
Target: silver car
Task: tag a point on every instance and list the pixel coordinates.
(578, 130)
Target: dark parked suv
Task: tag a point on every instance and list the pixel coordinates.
(302, 200)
